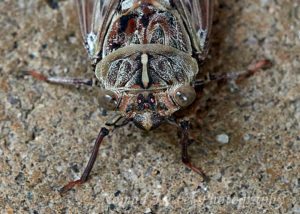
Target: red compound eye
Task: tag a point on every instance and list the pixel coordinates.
(146, 106)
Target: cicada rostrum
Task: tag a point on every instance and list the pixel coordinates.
(146, 55)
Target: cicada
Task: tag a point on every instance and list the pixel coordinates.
(145, 55)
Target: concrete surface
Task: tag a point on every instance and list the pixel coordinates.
(47, 131)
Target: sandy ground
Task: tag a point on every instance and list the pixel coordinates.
(47, 131)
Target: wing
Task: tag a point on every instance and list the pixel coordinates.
(94, 16)
(197, 16)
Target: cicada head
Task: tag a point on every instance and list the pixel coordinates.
(149, 109)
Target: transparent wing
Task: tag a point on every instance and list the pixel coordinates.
(94, 16)
(197, 15)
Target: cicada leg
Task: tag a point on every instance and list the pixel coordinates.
(60, 80)
(234, 76)
(104, 132)
(184, 143)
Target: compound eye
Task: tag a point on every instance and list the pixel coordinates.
(185, 95)
(108, 100)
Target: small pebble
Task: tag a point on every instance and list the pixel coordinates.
(148, 210)
(246, 137)
(112, 206)
(203, 186)
(29, 196)
(117, 193)
(223, 138)
(296, 209)
(13, 100)
(58, 168)
(165, 200)
(44, 46)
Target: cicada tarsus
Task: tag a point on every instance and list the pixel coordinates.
(146, 55)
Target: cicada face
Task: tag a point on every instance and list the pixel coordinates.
(146, 53)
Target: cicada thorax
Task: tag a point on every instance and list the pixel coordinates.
(146, 52)
(145, 23)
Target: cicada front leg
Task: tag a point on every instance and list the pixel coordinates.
(184, 152)
(104, 132)
(115, 121)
